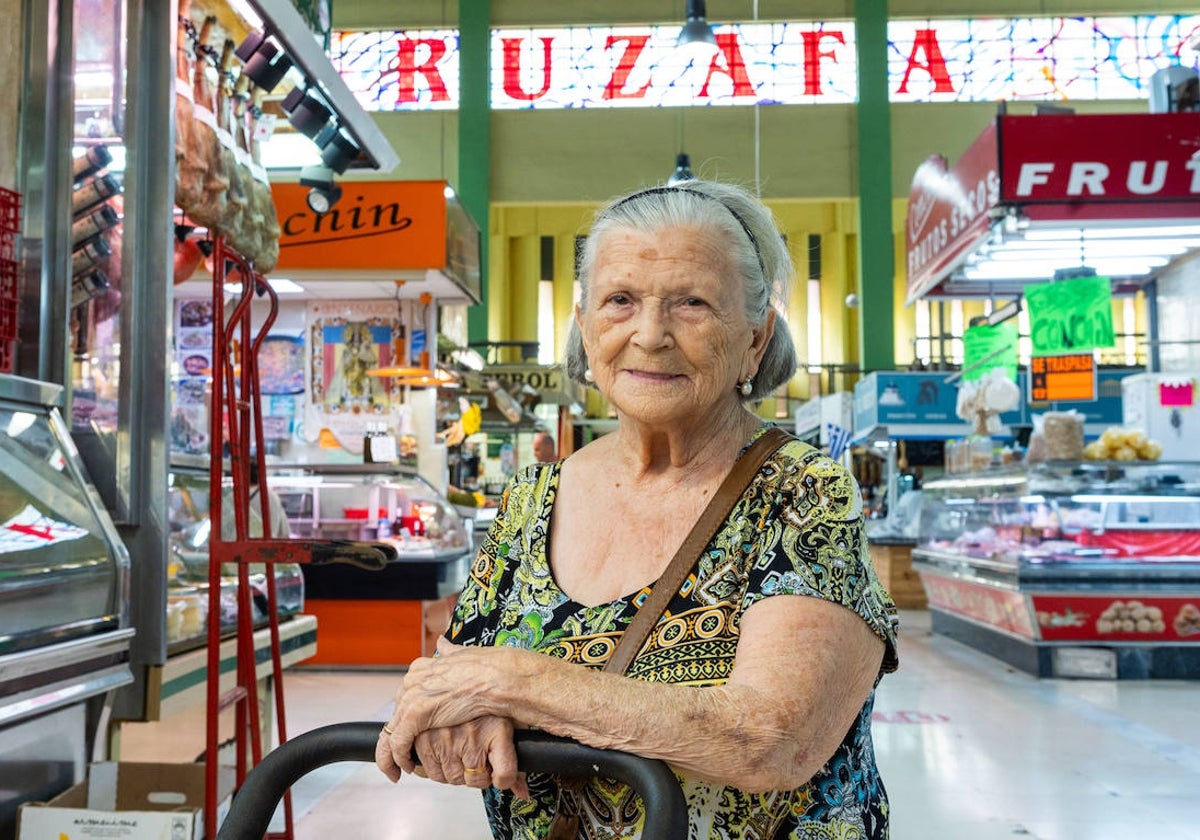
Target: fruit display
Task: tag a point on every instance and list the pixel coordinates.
(1117, 444)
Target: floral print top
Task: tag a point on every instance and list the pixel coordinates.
(797, 529)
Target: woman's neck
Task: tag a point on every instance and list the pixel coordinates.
(692, 447)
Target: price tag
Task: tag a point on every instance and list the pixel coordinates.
(383, 449)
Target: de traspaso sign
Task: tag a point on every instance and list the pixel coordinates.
(790, 62)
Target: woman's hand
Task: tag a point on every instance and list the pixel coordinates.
(438, 716)
(451, 689)
(477, 754)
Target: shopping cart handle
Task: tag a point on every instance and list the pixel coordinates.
(254, 803)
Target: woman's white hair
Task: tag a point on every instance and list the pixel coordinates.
(758, 257)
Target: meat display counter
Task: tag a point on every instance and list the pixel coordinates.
(64, 611)
(387, 617)
(1068, 569)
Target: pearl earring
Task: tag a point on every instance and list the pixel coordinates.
(747, 387)
(588, 375)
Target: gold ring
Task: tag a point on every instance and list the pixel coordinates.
(386, 730)
(482, 769)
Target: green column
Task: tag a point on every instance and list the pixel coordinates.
(876, 266)
(474, 138)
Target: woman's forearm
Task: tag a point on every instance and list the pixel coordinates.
(724, 734)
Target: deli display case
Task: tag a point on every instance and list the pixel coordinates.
(1068, 569)
(386, 617)
(64, 609)
(187, 568)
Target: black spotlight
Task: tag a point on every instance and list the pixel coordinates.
(306, 113)
(338, 152)
(323, 193)
(265, 63)
(249, 46)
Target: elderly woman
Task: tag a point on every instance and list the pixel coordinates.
(757, 686)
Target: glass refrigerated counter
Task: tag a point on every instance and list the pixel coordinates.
(64, 611)
(376, 502)
(411, 596)
(1068, 568)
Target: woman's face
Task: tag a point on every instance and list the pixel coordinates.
(665, 330)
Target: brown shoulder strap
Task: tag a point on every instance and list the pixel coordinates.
(717, 511)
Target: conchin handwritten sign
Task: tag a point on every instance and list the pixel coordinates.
(1070, 316)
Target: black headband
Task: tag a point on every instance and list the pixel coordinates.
(667, 190)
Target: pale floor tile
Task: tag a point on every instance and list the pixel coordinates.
(969, 748)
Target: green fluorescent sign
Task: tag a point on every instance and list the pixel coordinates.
(986, 347)
(1070, 316)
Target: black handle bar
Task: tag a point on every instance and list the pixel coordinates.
(254, 804)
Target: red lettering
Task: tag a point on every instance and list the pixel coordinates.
(407, 70)
(813, 55)
(735, 66)
(634, 44)
(43, 533)
(926, 42)
(512, 69)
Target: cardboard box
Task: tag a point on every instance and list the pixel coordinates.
(127, 801)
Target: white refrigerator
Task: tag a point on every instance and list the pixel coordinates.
(1166, 406)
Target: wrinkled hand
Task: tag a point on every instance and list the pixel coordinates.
(439, 714)
(476, 754)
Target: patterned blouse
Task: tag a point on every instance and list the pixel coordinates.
(797, 529)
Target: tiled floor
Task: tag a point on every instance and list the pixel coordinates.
(970, 749)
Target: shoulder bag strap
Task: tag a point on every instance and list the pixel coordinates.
(717, 511)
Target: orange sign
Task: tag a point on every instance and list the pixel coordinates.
(1071, 377)
(377, 226)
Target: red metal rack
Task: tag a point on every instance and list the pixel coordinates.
(10, 227)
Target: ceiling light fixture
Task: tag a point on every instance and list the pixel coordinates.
(1018, 249)
(323, 192)
(683, 170)
(696, 32)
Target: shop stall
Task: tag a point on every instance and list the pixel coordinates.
(1081, 565)
(893, 409)
(1069, 569)
(360, 419)
(412, 596)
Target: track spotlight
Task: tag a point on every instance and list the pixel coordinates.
(338, 153)
(265, 63)
(323, 192)
(306, 113)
